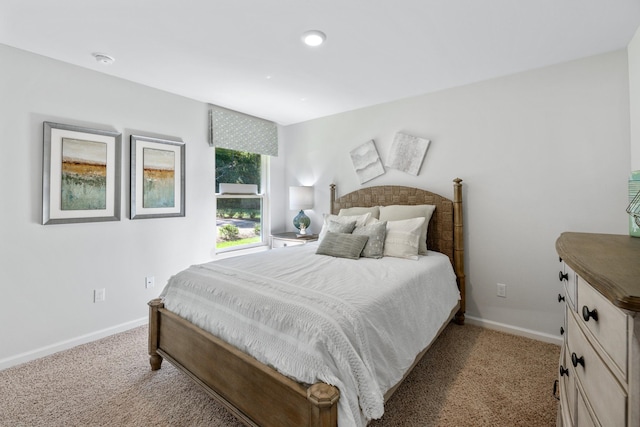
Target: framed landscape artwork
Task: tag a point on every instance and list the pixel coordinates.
(157, 177)
(80, 174)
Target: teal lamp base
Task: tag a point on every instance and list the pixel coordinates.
(301, 222)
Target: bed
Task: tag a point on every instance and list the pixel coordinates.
(256, 392)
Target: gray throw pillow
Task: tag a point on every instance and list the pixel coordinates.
(342, 245)
(375, 245)
(341, 227)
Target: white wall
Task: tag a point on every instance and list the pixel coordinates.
(634, 89)
(540, 152)
(48, 273)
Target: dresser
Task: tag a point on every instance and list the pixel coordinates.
(599, 367)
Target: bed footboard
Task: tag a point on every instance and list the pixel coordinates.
(255, 393)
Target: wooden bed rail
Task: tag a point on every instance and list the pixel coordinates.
(458, 248)
(255, 393)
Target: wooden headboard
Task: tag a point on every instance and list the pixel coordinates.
(446, 232)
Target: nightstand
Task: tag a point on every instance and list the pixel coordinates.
(281, 240)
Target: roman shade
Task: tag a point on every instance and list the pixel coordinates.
(241, 132)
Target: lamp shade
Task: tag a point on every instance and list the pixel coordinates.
(300, 198)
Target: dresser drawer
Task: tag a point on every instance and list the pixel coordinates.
(584, 417)
(567, 386)
(281, 243)
(608, 399)
(610, 329)
(569, 279)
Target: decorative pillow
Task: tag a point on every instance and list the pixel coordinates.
(402, 239)
(339, 227)
(400, 212)
(359, 219)
(342, 245)
(374, 211)
(375, 245)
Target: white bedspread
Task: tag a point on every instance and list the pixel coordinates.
(357, 325)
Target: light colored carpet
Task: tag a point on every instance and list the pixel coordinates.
(470, 377)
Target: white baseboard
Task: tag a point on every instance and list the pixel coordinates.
(514, 330)
(64, 345)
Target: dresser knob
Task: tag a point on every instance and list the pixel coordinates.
(560, 298)
(563, 371)
(586, 314)
(561, 330)
(563, 276)
(575, 360)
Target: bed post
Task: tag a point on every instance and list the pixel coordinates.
(332, 187)
(458, 247)
(154, 317)
(324, 409)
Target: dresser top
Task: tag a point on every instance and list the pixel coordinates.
(609, 262)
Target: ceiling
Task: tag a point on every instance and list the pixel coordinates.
(247, 54)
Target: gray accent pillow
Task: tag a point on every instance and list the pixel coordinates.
(359, 219)
(342, 245)
(341, 227)
(375, 245)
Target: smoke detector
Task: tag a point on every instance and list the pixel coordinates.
(104, 59)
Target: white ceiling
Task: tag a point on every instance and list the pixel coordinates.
(247, 55)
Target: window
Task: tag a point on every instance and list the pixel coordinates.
(240, 213)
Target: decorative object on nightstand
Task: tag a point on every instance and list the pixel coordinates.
(634, 204)
(301, 198)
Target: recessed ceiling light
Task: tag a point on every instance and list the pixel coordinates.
(104, 59)
(314, 38)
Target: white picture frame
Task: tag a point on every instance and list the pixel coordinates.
(81, 174)
(157, 178)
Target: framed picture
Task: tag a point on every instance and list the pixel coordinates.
(157, 177)
(80, 174)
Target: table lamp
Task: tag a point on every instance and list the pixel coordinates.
(301, 198)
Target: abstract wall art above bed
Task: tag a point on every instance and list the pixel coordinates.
(366, 161)
(407, 153)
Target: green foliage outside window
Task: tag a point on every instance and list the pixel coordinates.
(239, 219)
(237, 167)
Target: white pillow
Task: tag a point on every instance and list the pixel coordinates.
(402, 239)
(359, 219)
(400, 212)
(374, 211)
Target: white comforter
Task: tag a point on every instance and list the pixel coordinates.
(357, 325)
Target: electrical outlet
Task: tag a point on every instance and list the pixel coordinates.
(149, 282)
(99, 295)
(502, 290)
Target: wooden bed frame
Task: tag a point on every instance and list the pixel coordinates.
(259, 395)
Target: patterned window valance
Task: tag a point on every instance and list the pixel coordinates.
(242, 132)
